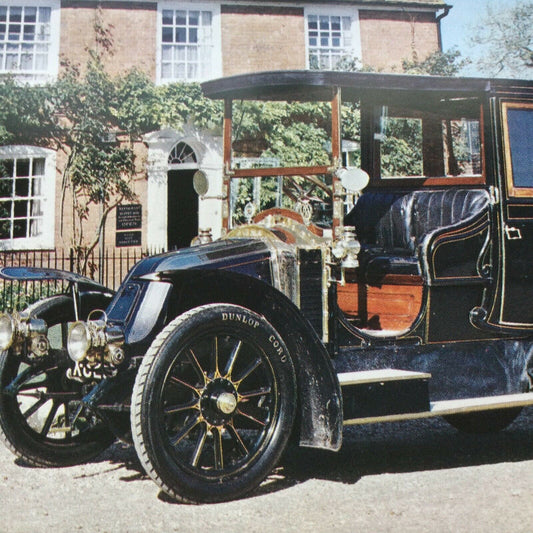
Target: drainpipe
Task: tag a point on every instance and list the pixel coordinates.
(447, 9)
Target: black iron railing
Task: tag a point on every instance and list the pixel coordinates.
(108, 268)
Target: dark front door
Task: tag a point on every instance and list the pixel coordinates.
(182, 209)
(517, 297)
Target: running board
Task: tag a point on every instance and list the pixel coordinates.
(392, 395)
(387, 392)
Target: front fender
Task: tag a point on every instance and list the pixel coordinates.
(320, 398)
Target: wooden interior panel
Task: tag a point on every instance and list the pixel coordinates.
(384, 307)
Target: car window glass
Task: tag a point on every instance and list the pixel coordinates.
(520, 138)
(415, 143)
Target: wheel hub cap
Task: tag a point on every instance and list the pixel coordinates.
(219, 401)
(226, 402)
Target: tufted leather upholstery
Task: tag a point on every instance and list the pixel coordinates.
(393, 226)
(380, 219)
(440, 209)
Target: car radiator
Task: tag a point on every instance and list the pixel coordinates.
(311, 300)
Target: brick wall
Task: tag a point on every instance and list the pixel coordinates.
(389, 37)
(262, 38)
(253, 38)
(134, 32)
(90, 226)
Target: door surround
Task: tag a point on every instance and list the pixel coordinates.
(208, 151)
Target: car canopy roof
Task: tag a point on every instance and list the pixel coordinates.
(317, 85)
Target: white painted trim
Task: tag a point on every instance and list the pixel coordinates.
(379, 376)
(55, 28)
(208, 150)
(46, 239)
(216, 60)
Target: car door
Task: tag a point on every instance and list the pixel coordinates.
(517, 290)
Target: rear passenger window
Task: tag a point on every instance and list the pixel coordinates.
(518, 133)
(444, 142)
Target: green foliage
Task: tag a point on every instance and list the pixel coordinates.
(401, 150)
(296, 134)
(24, 113)
(138, 106)
(438, 63)
(299, 144)
(183, 103)
(506, 37)
(141, 106)
(99, 170)
(17, 296)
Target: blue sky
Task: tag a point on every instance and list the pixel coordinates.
(461, 22)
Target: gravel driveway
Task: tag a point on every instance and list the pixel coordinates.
(420, 476)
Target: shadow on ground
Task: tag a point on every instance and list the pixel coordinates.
(372, 450)
(410, 447)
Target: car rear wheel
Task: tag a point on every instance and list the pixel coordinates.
(213, 404)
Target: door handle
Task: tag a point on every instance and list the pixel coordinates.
(512, 234)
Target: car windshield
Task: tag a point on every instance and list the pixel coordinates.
(272, 137)
(402, 140)
(309, 196)
(289, 137)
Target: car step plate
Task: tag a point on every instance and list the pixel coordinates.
(378, 393)
(391, 395)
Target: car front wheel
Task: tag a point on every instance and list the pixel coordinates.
(213, 404)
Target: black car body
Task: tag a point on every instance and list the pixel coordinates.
(413, 302)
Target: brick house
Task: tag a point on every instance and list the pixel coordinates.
(185, 41)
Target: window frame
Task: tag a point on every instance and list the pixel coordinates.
(355, 49)
(35, 77)
(512, 190)
(373, 160)
(215, 67)
(45, 240)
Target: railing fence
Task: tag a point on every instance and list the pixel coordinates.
(107, 267)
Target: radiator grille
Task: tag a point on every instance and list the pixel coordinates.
(311, 287)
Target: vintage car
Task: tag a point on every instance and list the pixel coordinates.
(401, 289)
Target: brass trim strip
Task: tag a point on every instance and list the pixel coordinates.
(379, 376)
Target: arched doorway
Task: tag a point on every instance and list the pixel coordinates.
(182, 200)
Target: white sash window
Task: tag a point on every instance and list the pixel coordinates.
(189, 42)
(26, 197)
(332, 36)
(29, 40)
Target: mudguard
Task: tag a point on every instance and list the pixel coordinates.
(45, 274)
(320, 397)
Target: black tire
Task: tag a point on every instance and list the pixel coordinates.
(34, 429)
(213, 404)
(484, 421)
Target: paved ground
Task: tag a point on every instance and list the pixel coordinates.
(405, 477)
